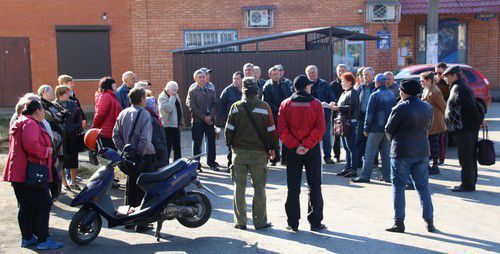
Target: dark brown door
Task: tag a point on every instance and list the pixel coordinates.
(15, 70)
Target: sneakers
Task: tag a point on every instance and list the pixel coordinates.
(27, 243)
(49, 245)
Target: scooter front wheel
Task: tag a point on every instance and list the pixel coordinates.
(84, 234)
(204, 208)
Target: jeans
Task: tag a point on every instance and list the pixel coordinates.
(327, 140)
(34, 211)
(351, 150)
(199, 130)
(360, 138)
(467, 156)
(434, 145)
(173, 136)
(377, 141)
(401, 169)
(296, 163)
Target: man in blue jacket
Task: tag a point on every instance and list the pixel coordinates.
(324, 93)
(231, 94)
(407, 127)
(379, 107)
(122, 92)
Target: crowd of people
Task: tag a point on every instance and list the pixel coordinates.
(300, 124)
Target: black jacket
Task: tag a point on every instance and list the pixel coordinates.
(349, 104)
(274, 94)
(73, 98)
(462, 114)
(337, 88)
(407, 127)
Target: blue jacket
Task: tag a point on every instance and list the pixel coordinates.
(379, 108)
(122, 96)
(228, 97)
(324, 93)
(364, 92)
(274, 94)
(407, 127)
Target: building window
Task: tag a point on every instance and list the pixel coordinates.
(83, 52)
(351, 53)
(210, 37)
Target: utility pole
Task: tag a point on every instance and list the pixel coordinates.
(432, 31)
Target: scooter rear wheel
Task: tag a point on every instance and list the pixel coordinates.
(84, 234)
(204, 212)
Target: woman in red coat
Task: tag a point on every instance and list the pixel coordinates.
(107, 109)
(28, 141)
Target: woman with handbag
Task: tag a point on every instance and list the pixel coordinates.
(73, 128)
(346, 122)
(29, 170)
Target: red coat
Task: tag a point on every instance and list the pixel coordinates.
(301, 120)
(107, 109)
(27, 140)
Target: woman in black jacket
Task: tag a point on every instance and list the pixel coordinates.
(348, 108)
(72, 128)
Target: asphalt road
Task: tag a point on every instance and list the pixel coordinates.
(356, 216)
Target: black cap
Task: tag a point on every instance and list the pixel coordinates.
(453, 70)
(301, 82)
(250, 86)
(410, 87)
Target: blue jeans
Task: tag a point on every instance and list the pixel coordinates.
(401, 169)
(327, 140)
(376, 141)
(351, 150)
(360, 138)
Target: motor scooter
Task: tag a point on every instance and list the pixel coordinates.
(165, 199)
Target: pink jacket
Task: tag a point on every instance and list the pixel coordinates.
(27, 141)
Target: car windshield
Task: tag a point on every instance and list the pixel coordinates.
(402, 74)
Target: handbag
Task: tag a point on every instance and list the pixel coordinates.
(37, 175)
(486, 149)
(342, 126)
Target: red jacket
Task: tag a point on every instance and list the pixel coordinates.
(301, 120)
(27, 140)
(107, 109)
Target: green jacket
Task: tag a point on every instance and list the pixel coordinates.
(239, 131)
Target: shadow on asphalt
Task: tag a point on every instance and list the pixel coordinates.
(462, 240)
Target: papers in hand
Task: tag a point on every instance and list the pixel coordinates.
(326, 105)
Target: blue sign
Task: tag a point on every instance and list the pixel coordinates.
(385, 39)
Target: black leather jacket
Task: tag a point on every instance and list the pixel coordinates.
(407, 127)
(461, 113)
(274, 94)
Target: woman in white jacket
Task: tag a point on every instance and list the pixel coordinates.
(172, 117)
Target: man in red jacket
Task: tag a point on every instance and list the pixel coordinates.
(301, 126)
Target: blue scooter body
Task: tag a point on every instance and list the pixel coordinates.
(158, 194)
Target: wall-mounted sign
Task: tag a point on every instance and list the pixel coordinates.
(385, 39)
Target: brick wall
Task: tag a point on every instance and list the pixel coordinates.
(166, 22)
(483, 44)
(37, 21)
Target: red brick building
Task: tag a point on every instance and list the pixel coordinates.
(90, 39)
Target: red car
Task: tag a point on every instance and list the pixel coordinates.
(474, 78)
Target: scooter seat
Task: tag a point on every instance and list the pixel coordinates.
(162, 173)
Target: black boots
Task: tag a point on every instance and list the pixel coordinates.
(399, 227)
(430, 225)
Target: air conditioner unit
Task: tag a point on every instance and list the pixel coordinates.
(383, 12)
(259, 18)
